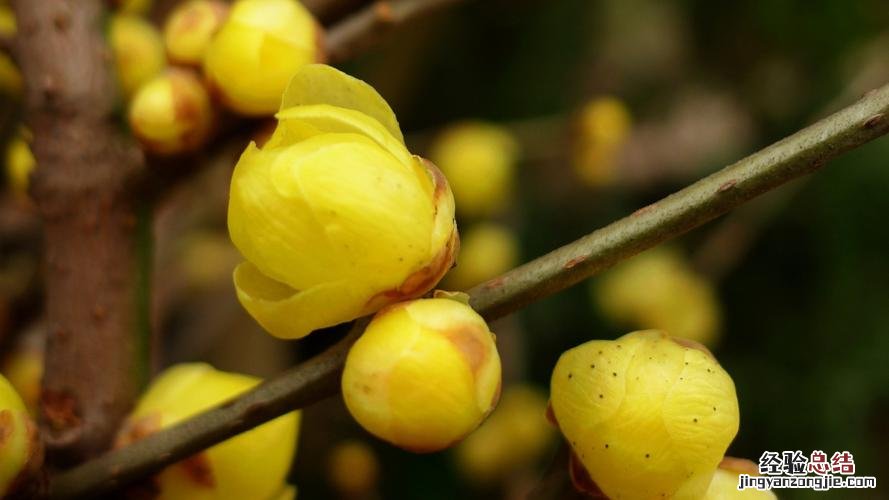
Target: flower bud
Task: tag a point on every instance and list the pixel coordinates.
(602, 130)
(645, 415)
(424, 374)
(171, 113)
(353, 469)
(259, 48)
(487, 250)
(479, 159)
(512, 439)
(334, 216)
(20, 450)
(724, 485)
(138, 51)
(10, 77)
(20, 163)
(250, 465)
(190, 27)
(658, 289)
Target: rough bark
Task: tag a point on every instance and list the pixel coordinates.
(83, 186)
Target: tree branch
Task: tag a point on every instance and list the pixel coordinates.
(357, 31)
(797, 155)
(82, 187)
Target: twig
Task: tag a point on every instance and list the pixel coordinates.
(357, 31)
(82, 185)
(797, 155)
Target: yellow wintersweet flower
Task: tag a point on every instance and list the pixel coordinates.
(724, 485)
(647, 416)
(20, 452)
(512, 439)
(10, 77)
(250, 465)
(334, 216)
(424, 374)
(190, 27)
(171, 113)
(487, 250)
(659, 289)
(20, 163)
(257, 51)
(479, 160)
(138, 51)
(602, 128)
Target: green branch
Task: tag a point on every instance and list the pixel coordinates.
(797, 155)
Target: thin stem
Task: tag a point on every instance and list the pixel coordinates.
(357, 31)
(795, 156)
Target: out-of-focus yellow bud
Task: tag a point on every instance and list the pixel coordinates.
(250, 465)
(424, 374)
(138, 7)
(259, 48)
(20, 450)
(334, 216)
(353, 468)
(138, 51)
(23, 367)
(8, 25)
(659, 289)
(479, 160)
(647, 416)
(724, 485)
(10, 77)
(486, 250)
(190, 27)
(207, 257)
(512, 439)
(171, 113)
(603, 126)
(20, 163)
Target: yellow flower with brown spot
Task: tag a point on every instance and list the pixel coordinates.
(258, 49)
(171, 113)
(424, 374)
(479, 159)
(250, 465)
(190, 28)
(138, 51)
(647, 416)
(335, 218)
(20, 451)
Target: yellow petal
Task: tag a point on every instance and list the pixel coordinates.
(251, 465)
(322, 84)
(301, 122)
(288, 313)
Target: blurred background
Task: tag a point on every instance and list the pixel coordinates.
(554, 118)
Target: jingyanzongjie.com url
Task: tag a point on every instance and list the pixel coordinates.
(818, 483)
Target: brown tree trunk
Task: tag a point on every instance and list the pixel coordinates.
(84, 187)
